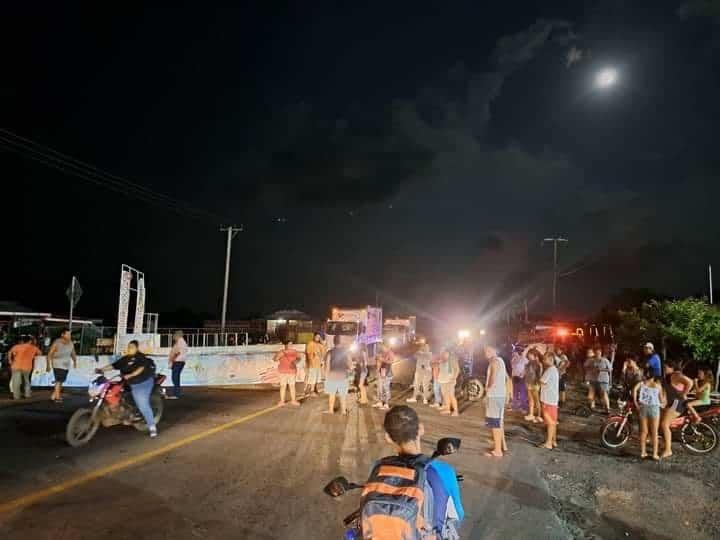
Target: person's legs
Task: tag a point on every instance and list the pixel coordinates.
(536, 403)
(453, 400)
(531, 404)
(437, 394)
(691, 409)
(331, 403)
(415, 387)
(654, 423)
(283, 383)
(380, 388)
(363, 389)
(497, 436)
(427, 386)
(177, 368)
(668, 416)
(293, 383)
(606, 396)
(141, 394)
(643, 434)
(27, 383)
(591, 394)
(15, 381)
(446, 401)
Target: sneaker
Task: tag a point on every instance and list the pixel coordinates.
(411, 400)
(153, 432)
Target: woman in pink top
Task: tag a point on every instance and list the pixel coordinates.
(287, 359)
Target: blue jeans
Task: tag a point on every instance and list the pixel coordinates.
(437, 393)
(141, 394)
(177, 368)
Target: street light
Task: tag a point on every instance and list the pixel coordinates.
(606, 77)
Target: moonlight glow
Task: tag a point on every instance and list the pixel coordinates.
(606, 77)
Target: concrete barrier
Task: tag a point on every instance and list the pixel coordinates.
(251, 365)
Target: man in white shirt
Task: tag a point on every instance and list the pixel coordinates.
(176, 362)
(499, 391)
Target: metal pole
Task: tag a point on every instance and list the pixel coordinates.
(711, 285)
(72, 301)
(555, 242)
(231, 232)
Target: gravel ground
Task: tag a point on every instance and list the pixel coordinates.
(602, 494)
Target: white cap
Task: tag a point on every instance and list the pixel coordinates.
(650, 346)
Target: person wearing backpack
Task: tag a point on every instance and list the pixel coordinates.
(408, 496)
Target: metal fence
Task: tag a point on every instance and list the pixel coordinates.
(200, 337)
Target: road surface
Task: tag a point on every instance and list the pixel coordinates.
(229, 464)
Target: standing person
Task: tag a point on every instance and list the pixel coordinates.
(590, 376)
(287, 360)
(652, 360)
(314, 354)
(437, 394)
(384, 359)
(337, 364)
(517, 368)
(676, 387)
(533, 370)
(60, 358)
(703, 387)
(499, 392)
(448, 374)
(563, 366)
(549, 397)
(423, 375)
(176, 362)
(362, 371)
(649, 396)
(139, 372)
(631, 375)
(22, 359)
(603, 368)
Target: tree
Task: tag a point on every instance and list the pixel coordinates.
(688, 325)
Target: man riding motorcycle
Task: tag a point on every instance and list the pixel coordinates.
(138, 371)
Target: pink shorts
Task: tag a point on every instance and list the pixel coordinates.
(551, 411)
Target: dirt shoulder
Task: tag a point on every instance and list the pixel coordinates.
(601, 494)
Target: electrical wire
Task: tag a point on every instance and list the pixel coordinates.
(74, 167)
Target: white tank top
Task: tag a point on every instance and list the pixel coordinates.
(497, 385)
(648, 396)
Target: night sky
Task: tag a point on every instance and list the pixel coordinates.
(418, 150)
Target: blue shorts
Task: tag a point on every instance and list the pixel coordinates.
(336, 387)
(494, 412)
(649, 411)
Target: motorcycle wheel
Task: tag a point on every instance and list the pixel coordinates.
(81, 428)
(473, 390)
(157, 404)
(698, 438)
(610, 437)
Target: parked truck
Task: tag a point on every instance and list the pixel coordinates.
(399, 331)
(355, 326)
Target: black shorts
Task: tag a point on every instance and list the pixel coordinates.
(563, 382)
(60, 375)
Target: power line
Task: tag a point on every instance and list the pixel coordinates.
(74, 167)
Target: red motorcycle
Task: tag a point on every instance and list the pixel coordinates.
(697, 437)
(111, 404)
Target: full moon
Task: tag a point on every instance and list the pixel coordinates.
(606, 77)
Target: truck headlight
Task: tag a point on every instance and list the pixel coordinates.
(392, 341)
(354, 347)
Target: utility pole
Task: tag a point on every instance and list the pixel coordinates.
(711, 285)
(231, 233)
(555, 242)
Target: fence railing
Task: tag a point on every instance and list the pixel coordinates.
(200, 337)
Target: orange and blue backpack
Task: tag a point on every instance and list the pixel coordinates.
(397, 501)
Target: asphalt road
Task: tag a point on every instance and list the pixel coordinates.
(228, 464)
